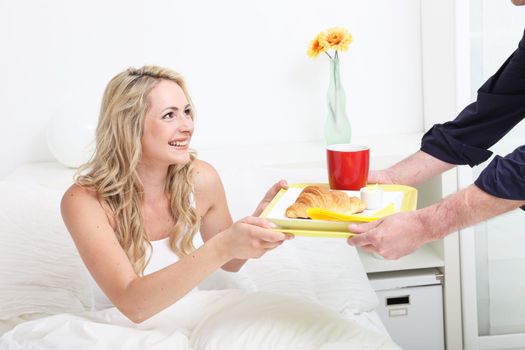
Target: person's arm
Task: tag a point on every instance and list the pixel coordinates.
(504, 177)
(467, 138)
(498, 108)
(401, 234)
(463, 209)
(210, 194)
(412, 170)
(211, 199)
(139, 298)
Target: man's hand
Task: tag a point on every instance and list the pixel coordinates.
(400, 234)
(392, 237)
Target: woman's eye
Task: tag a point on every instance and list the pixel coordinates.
(187, 112)
(168, 115)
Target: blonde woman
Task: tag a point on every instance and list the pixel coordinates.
(140, 207)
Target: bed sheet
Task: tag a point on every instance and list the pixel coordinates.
(369, 320)
(227, 319)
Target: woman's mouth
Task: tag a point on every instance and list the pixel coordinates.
(179, 144)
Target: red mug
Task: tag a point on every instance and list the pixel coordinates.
(347, 166)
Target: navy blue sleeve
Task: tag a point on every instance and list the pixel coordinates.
(500, 105)
(504, 177)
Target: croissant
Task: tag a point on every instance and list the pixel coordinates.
(322, 197)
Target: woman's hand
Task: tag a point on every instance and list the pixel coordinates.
(251, 237)
(269, 196)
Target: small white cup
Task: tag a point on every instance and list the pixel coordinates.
(373, 197)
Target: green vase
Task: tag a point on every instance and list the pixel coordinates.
(337, 127)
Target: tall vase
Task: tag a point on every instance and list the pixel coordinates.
(337, 127)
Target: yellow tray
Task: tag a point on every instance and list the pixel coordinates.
(403, 198)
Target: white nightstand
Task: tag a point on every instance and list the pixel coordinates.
(411, 300)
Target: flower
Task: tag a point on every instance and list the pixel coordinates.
(336, 38)
(318, 45)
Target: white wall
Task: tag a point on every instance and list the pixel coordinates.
(245, 63)
(439, 61)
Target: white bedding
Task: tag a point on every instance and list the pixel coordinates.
(227, 319)
(44, 291)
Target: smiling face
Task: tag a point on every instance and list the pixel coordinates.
(168, 126)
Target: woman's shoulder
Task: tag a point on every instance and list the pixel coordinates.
(85, 201)
(78, 198)
(77, 192)
(205, 174)
(207, 184)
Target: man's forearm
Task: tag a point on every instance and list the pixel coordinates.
(417, 168)
(462, 209)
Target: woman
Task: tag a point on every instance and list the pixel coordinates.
(138, 206)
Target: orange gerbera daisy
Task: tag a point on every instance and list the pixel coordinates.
(318, 45)
(338, 38)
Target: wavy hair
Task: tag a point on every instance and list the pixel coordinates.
(112, 171)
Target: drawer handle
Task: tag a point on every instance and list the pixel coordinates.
(403, 300)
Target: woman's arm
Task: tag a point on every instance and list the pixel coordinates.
(211, 201)
(139, 298)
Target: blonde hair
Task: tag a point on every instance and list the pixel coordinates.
(112, 172)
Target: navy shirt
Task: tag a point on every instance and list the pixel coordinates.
(500, 105)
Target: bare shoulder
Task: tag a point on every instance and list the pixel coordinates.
(80, 204)
(77, 197)
(205, 176)
(209, 191)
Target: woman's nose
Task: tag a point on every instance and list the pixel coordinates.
(186, 125)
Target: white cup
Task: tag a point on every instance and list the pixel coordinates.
(372, 196)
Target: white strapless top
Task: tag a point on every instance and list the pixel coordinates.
(161, 256)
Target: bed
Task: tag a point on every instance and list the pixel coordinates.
(46, 300)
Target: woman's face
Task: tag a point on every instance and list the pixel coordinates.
(167, 126)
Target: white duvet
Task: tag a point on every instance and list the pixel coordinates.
(226, 319)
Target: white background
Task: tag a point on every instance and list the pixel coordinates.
(245, 64)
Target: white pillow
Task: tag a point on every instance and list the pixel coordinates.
(221, 279)
(40, 269)
(337, 274)
(278, 271)
(269, 321)
(323, 270)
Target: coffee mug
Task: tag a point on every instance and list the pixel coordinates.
(347, 166)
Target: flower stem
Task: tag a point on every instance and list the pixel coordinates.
(329, 54)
